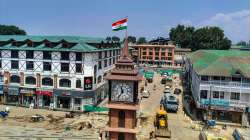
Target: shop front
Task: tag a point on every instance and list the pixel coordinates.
(11, 94)
(101, 93)
(44, 98)
(72, 100)
(28, 97)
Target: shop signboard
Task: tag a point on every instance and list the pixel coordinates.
(74, 93)
(216, 102)
(88, 83)
(12, 90)
(27, 91)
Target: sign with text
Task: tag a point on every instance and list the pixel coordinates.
(88, 83)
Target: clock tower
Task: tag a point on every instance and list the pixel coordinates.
(123, 101)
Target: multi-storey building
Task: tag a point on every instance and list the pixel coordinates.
(156, 55)
(220, 83)
(65, 72)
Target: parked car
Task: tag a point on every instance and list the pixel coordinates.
(145, 94)
(170, 103)
(167, 87)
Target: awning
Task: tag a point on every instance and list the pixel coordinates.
(45, 93)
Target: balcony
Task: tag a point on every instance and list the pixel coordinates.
(226, 86)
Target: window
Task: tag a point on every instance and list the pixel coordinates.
(100, 55)
(169, 54)
(105, 63)
(203, 94)
(78, 83)
(110, 53)
(99, 64)
(64, 67)
(113, 52)
(163, 54)
(14, 64)
(77, 101)
(216, 78)
(46, 66)
(110, 61)
(0, 64)
(121, 136)
(64, 55)
(0, 54)
(14, 79)
(99, 79)
(78, 56)
(113, 60)
(78, 68)
(144, 53)
(106, 54)
(14, 54)
(46, 55)
(216, 94)
(204, 78)
(150, 53)
(222, 95)
(29, 65)
(29, 54)
(65, 83)
(235, 96)
(121, 120)
(47, 81)
(236, 79)
(30, 80)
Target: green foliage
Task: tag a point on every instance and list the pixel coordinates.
(202, 38)
(115, 39)
(108, 38)
(141, 40)
(182, 35)
(131, 39)
(11, 30)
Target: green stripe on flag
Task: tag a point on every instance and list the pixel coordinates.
(120, 28)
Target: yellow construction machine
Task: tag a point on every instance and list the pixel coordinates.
(161, 124)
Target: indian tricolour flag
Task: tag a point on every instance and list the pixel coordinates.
(120, 25)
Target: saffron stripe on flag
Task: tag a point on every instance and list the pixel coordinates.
(120, 22)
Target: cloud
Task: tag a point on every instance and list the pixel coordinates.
(236, 25)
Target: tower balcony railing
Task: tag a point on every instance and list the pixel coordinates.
(223, 83)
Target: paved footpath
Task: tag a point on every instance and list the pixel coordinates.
(178, 124)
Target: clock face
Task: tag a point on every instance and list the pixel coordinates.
(122, 91)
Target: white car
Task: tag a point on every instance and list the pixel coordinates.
(145, 94)
(167, 88)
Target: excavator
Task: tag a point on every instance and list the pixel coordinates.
(161, 124)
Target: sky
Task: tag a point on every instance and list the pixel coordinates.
(147, 18)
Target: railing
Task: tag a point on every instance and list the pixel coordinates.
(230, 83)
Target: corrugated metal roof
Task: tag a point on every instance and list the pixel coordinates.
(220, 62)
(80, 44)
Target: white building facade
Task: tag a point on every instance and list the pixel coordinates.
(219, 85)
(59, 71)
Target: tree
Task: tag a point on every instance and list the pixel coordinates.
(131, 39)
(202, 38)
(210, 38)
(108, 38)
(115, 39)
(11, 30)
(141, 40)
(182, 35)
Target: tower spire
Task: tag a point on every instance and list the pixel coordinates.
(125, 48)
